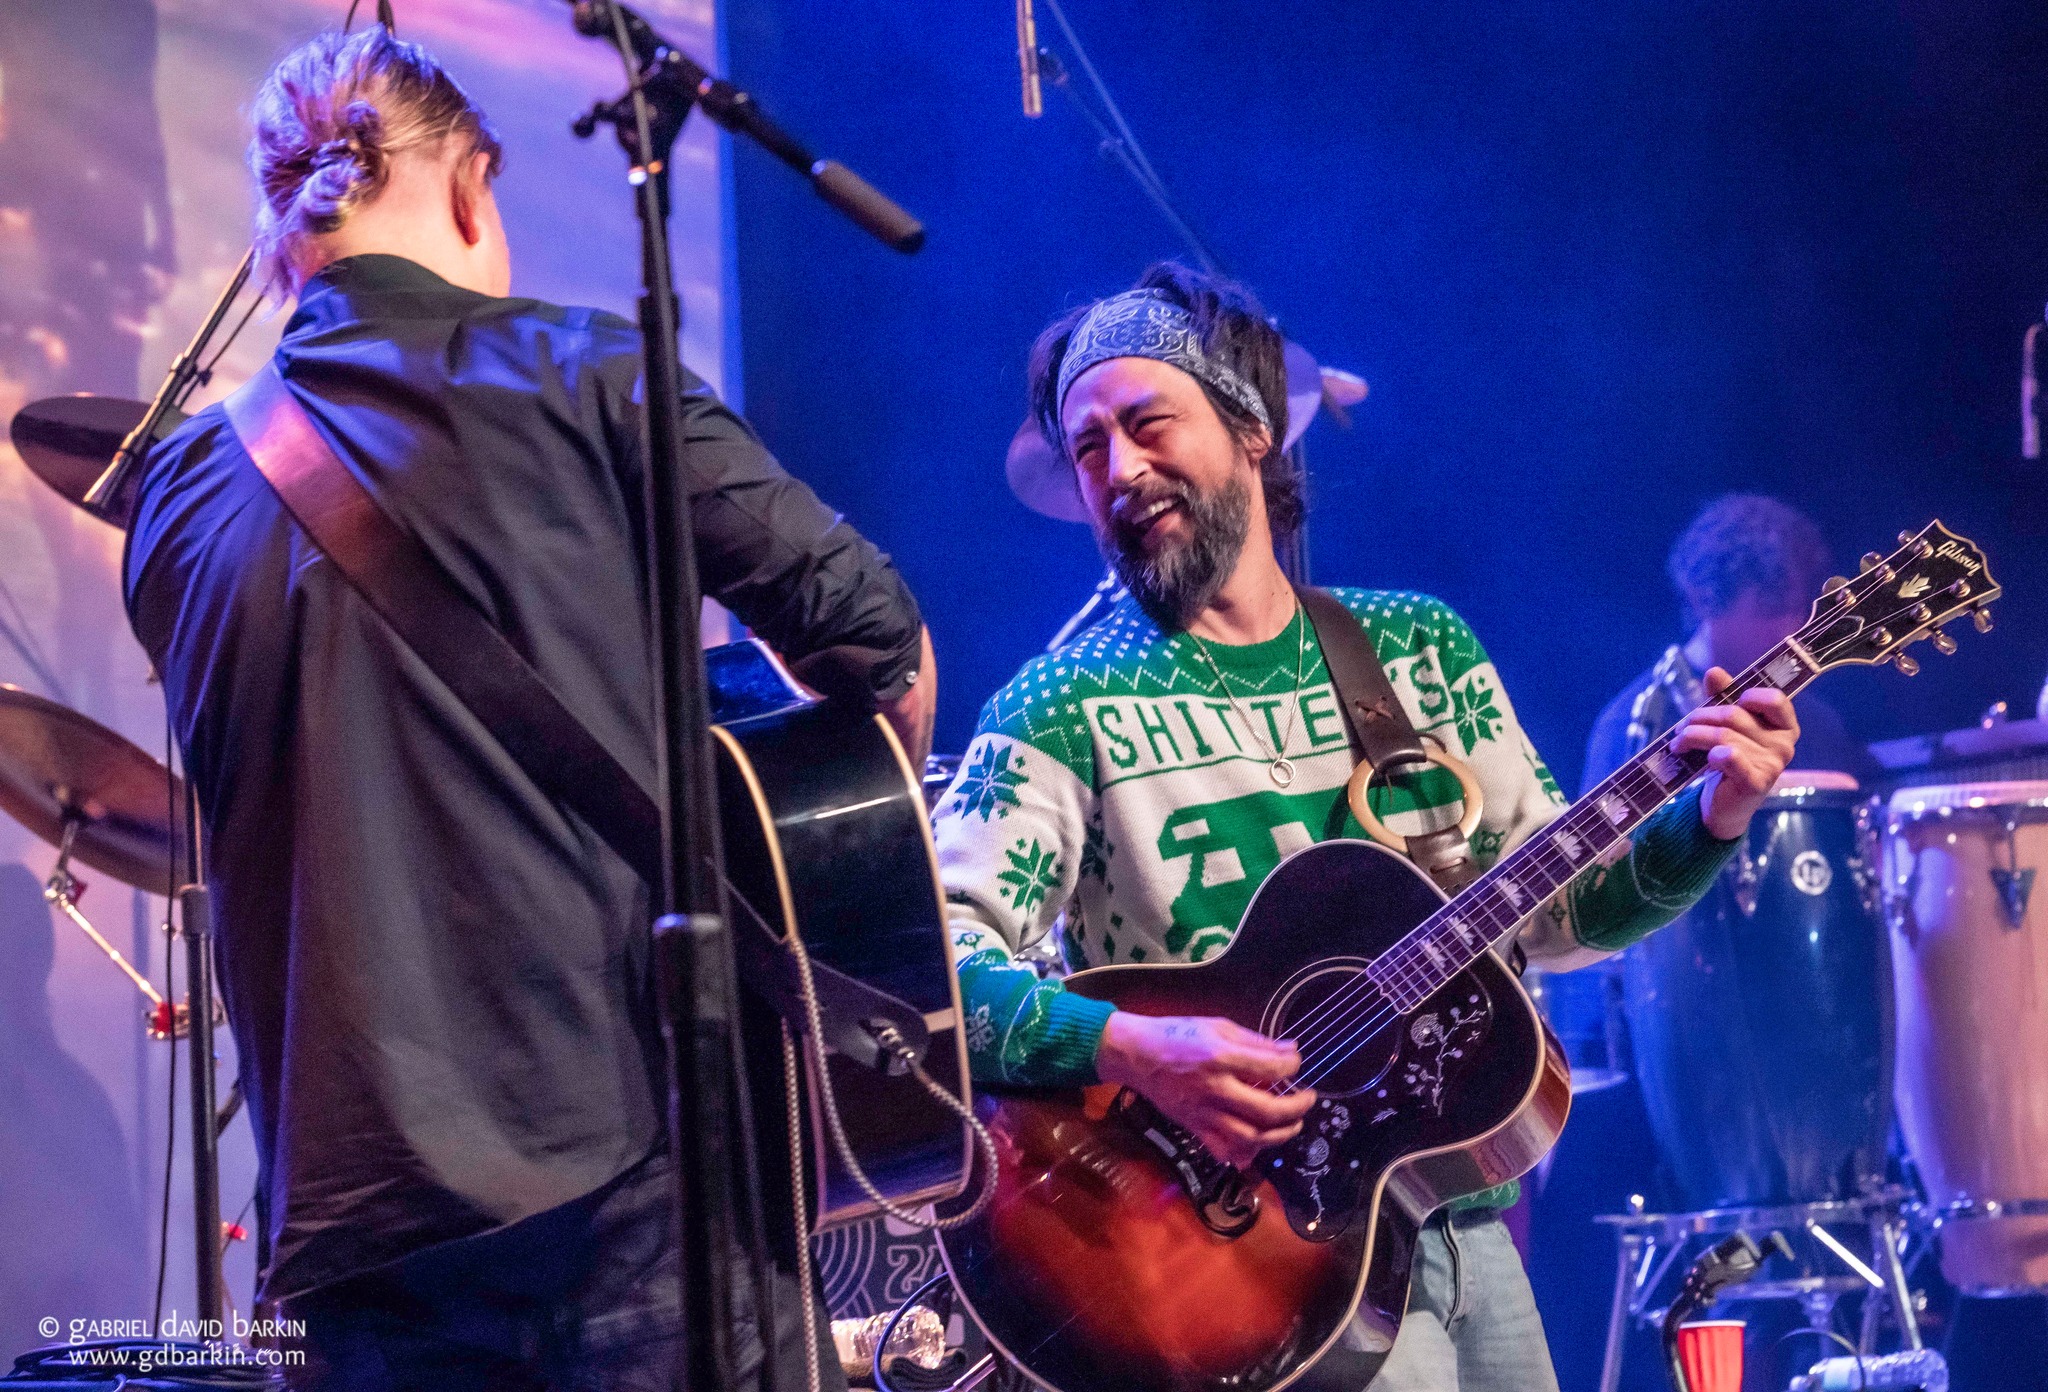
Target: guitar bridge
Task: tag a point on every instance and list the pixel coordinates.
(1221, 1195)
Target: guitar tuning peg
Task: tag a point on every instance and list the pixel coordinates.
(1871, 561)
(1982, 618)
(1906, 665)
(1944, 644)
(1905, 537)
(1835, 582)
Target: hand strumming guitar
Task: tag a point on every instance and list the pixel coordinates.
(1211, 1075)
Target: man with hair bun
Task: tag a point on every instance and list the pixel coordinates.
(438, 976)
(1133, 788)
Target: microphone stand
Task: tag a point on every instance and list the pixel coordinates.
(106, 499)
(709, 1114)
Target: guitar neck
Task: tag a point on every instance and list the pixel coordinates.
(1584, 835)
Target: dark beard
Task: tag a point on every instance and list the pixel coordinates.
(1178, 583)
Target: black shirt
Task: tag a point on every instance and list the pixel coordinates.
(438, 979)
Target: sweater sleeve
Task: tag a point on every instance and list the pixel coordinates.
(1010, 833)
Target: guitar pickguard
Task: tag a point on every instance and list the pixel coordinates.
(1347, 1138)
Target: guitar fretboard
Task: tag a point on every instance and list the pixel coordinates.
(1595, 826)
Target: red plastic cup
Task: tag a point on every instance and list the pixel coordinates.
(1710, 1351)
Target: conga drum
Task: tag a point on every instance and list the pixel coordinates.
(1970, 949)
(1761, 1020)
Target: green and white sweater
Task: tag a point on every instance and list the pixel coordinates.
(1113, 791)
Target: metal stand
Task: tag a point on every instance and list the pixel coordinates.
(718, 1194)
(62, 890)
(1650, 1246)
(195, 924)
(193, 1019)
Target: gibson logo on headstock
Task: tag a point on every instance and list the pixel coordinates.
(1953, 550)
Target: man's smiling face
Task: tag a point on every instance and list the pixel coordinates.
(1169, 488)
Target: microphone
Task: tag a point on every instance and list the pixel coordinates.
(1027, 59)
(868, 207)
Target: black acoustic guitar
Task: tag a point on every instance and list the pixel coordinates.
(827, 840)
(1119, 1256)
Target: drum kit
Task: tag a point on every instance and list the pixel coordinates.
(1869, 957)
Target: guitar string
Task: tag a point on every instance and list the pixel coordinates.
(1403, 964)
(1402, 958)
(1408, 972)
(1407, 956)
(1424, 930)
(1407, 969)
(1403, 961)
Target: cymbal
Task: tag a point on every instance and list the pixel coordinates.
(56, 764)
(68, 441)
(1044, 483)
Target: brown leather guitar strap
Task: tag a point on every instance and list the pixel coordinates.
(391, 569)
(1380, 731)
(411, 592)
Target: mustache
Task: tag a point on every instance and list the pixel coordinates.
(1127, 505)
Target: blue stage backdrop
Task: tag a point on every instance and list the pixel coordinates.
(1599, 262)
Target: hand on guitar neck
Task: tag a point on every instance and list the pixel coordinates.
(1211, 1075)
(1748, 744)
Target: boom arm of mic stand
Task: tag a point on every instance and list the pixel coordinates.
(868, 207)
(103, 498)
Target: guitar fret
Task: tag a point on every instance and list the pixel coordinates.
(1590, 830)
(1663, 766)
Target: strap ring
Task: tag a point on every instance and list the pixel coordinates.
(1361, 780)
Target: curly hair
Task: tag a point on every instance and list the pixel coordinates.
(1234, 330)
(328, 120)
(1744, 543)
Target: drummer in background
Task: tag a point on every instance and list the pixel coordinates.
(1746, 571)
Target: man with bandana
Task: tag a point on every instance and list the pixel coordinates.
(1134, 787)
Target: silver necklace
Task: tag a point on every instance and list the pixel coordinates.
(1282, 767)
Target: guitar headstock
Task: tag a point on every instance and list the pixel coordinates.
(1934, 578)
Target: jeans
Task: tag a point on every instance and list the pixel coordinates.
(1472, 1324)
(582, 1298)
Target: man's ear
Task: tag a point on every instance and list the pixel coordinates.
(466, 188)
(1258, 443)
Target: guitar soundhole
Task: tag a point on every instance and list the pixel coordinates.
(1345, 1026)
